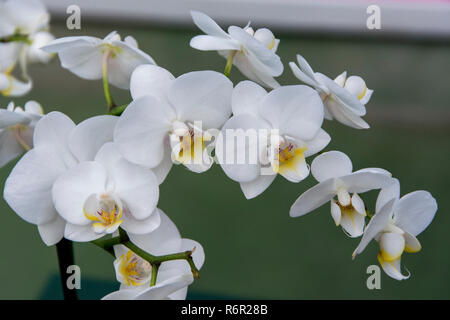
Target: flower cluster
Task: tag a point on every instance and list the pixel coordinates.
(98, 181)
(24, 28)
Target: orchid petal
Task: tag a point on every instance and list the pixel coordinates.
(208, 43)
(247, 97)
(378, 222)
(294, 110)
(391, 245)
(52, 232)
(257, 186)
(143, 226)
(124, 63)
(331, 164)
(89, 135)
(238, 147)
(163, 240)
(202, 96)
(313, 198)
(142, 129)
(134, 185)
(152, 80)
(74, 186)
(392, 269)
(364, 181)
(208, 25)
(415, 211)
(318, 143)
(392, 191)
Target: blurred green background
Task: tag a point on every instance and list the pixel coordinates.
(253, 248)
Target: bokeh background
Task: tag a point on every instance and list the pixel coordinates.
(254, 250)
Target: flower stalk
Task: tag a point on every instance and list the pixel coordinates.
(117, 111)
(155, 261)
(15, 38)
(64, 250)
(109, 100)
(229, 63)
(155, 268)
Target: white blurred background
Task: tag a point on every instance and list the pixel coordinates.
(416, 18)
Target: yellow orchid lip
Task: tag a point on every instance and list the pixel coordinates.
(389, 257)
(288, 158)
(191, 147)
(410, 249)
(351, 213)
(382, 261)
(105, 221)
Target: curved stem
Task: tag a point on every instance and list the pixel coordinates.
(155, 268)
(64, 250)
(117, 111)
(229, 63)
(109, 100)
(107, 244)
(123, 239)
(19, 138)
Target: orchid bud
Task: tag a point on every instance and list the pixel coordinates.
(250, 31)
(266, 37)
(356, 86)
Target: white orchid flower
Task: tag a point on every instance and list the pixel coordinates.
(166, 112)
(25, 54)
(10, 86)
(28, 20)
(96, 197)
(22, 17)
(173, 277)
(253, 53)
(9, 55)
(16, 129)
(58, 146)
(33, 52)
(287, 125)
(89, 57)
(344, 98)
(396, 224)
(333, 171)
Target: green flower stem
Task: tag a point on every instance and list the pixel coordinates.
(64, 250)
(123, 239)
(185, 255)
(229, 63)
(16, 38)
(155, 268)
(109, 100)
(117, 111)
(107, 244)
